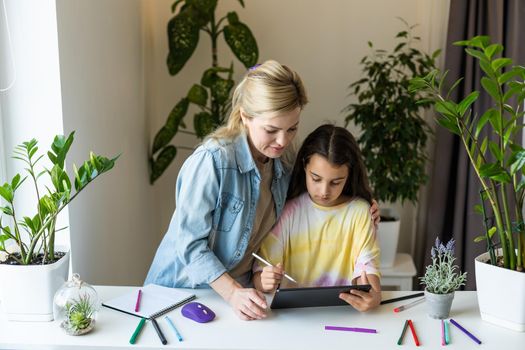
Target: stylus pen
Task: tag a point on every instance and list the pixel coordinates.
(402, 298)
(159, 332)
(268, 264)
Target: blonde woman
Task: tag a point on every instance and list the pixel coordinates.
(231, 191)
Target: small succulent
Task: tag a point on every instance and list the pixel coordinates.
(442, 276)
(80, 313)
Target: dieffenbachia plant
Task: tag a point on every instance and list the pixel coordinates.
(212, 94)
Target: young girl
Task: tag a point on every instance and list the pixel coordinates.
(325, 235)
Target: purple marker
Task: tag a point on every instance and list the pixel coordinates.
(350, 329)
(465, 331)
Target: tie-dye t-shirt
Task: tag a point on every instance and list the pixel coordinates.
(322, 246)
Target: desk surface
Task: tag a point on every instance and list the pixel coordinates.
(283, 329)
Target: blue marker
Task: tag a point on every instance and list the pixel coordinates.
(172, 325)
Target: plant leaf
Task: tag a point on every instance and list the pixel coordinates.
(198, 95)
(467, 101)
(160, 164)
(490, 86)
(500, 62)
(183, 37)
(241, 40)
(203, 124)
(166, 133)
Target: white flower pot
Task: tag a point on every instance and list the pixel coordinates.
(26, 292)
(500, 294)
(388, 236)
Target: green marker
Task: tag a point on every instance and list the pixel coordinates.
(137, 331)
(402, 333)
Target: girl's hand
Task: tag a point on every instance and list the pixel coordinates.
(364, 301)
(271, 277)
(248, 303)
(374, 211)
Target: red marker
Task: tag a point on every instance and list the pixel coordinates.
(412, 329)
(137, 305)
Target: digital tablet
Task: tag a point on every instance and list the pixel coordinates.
(314, 296)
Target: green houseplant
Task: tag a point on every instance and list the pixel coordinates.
(442, 278)
(212, 94)
(499, 166)
(394, 132)
(30, 240)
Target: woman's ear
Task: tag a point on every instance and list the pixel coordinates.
(244, 118)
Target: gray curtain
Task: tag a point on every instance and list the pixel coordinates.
(454, 187)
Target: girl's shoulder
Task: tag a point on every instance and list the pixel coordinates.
(358, 206)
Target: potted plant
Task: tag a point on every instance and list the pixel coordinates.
(499, 165)
(32, 268)
(212, 95)
(442, 279)
(394, 132)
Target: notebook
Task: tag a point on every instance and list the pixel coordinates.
(155, 301)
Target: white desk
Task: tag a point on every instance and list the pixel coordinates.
(400, 274)
(283, 329)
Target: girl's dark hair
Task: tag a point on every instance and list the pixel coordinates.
(339, 147)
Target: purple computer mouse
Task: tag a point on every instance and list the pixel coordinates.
(198, 312)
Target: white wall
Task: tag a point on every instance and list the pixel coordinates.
(322, 40)
(113, 228)
(31, 108)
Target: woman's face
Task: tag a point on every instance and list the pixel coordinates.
(325, 181)
(269, 135)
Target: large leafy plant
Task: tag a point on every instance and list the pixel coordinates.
(212, 94)
(33, 237)
(394, 132)
(490, 140)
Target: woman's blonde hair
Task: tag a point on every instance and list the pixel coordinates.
(267, 88)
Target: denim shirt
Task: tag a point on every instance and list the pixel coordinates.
(216, 196)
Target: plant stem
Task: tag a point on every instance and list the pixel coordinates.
(508, 244)
(17, 233)
(214, 62)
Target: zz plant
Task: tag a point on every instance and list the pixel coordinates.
(498, 160)
(394, 132)
(34, 237)
(212, 94)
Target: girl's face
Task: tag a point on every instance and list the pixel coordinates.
(270, 135)
(325, 181)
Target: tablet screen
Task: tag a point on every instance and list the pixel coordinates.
(310, 297)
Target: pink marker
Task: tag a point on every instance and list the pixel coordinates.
(443, 343)
(137, 305)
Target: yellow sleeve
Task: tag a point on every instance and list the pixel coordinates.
(366, 247)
